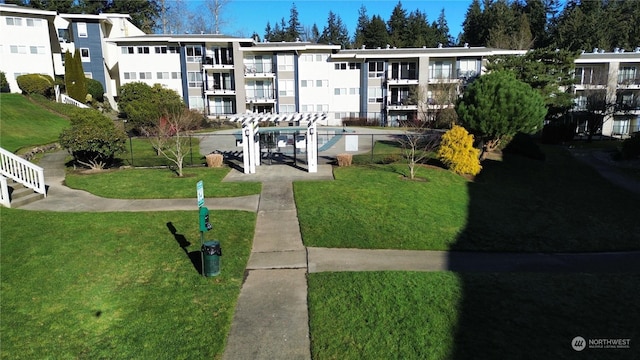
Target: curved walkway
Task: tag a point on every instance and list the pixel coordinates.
(271, 320)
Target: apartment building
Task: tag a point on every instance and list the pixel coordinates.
(26, 45)
(223, 76)
(610, 83)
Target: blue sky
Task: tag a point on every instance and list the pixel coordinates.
(247, 16)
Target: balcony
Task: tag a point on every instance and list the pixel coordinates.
(258, 71)
(215, 88)
(266, 96)
(403, 78)
(401, 105)
(441, 76)
(210, 62)
(629, 82)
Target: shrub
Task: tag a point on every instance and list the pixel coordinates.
(631, 147)
(523, 144)
(93, 139)
(36, 84)
(4, 84)
(344, 159)
(95, 89)
(456, 151)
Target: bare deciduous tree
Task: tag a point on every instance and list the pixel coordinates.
(417, 143)
(216, 8)
(173, 135)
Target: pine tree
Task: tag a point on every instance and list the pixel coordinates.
(376, 34)
(361, 28)
(335, 32)
(473, 29)
(442, 30)
(292, 32)
(397, 26)
(421, 33)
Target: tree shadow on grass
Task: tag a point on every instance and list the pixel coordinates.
(194, 256)
(534, 310)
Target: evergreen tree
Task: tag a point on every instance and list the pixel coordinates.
(442, 30)
(473, 31)
(537, 16)
(397, 26)
(376, 34)
(421, 33)
(315, 33)
(268, 33)
(497, 106)
(361, 27)
(145, 14)
(75, 81)
(335, 32)
(292, 32)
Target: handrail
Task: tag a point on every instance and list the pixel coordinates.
(69, 100)
(22, 171)
(4, 192)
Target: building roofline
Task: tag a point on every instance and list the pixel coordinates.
(195, 38)
(25, 10)
(418, 52)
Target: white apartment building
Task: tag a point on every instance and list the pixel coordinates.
(616, 77)
(26, 45)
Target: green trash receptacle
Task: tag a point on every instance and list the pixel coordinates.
(211, 252)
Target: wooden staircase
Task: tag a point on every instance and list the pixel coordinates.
(20, 195)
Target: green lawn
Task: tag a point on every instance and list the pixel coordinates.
(23, 123)
(140, 153)
(442, 315)
(160, 183)
(117, 285)
(517, 204)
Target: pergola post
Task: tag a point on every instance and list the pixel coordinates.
(248, 146)
(312, 146)
(256, 143)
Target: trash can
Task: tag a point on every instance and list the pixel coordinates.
(211, 252)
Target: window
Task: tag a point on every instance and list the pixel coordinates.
(340, 91)
(322, 83)
(194, 54)
(376, 69)
(620, 126)
(36, 49)
(129, 76)
(354, 66)
(194, 79)
(162, 75)
(34, 22)
(285, 62)
(161, 49)
(375, 95)
(145, 76)
(127, 50)
(440, 70)
(84, 55)
(196, 102)
(222, 106)
(287, 109)
(18, 49)
(354, 91)
(82, 29)
(306, 57)
(322, 107)
(63, 35)
(306, 108)
(468, 68)
(340, 66)
(285, 87)
(306, 83)
(143, 49)
(321, 57)
(14, 21)
(176, 75)
(627, 75)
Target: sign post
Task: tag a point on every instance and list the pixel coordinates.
(200, 196)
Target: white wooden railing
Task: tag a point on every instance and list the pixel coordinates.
(21, 171)
(4, 192)
(69, 100)
(60, 97)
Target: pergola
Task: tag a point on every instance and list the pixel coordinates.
(251, 140)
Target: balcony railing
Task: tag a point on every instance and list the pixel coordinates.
(256, 69)
(217, 88)
(628, 80)
(261, 96)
